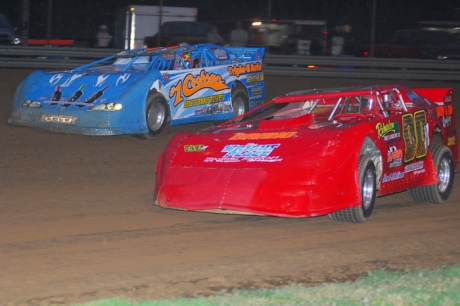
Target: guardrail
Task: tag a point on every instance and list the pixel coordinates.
(356, 67)
(57, 58)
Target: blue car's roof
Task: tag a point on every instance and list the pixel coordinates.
(177, 58)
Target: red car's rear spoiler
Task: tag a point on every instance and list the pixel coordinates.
(437, 95)
(323, 95)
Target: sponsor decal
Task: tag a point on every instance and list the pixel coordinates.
(247, 159)
(59, 119)
(446, 121)
(393, 153)
(218, 108)
(392, 176)
(446, 110)
(394, 156)
(451, 141)
(385, 128)
(220, 54)
(195, 148)
(249, 150)
(392, 136)
(203, 101)
(256, 91)
(255, 78)
(397, 162)
(413, 167)
(191, 84)
(249, 153)
(254, 136)
(199, 112)
(237, 70)
(420, 171)
(166, 77)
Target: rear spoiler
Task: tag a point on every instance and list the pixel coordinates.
(255, 54)
(436, 95)
(325, 95)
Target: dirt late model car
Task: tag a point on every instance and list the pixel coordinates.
(325, 152)
(139, 91)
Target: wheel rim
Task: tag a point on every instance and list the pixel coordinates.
(368, 189)
(238, 106)
(156, 116)
(443, 175)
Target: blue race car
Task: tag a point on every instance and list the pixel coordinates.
(139, 91)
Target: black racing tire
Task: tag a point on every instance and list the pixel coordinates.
(437, 193)
(368, 189)
(240, 102)
(157, 115)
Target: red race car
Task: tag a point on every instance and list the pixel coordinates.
(325, 152)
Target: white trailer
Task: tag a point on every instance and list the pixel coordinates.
(134, 22)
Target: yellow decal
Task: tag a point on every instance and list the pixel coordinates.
(253, 136)
(383, 129)
(451, 141)
(192, 84)
(238, 70)
(415, 135)
(254, 78)
(203, 101)
(195, 148)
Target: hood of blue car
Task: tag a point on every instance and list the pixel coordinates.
(80, 89)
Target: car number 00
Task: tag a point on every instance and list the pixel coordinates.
(415, 135)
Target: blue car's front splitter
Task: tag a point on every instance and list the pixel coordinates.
(96, 123)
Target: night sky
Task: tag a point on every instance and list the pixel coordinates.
(79, 19)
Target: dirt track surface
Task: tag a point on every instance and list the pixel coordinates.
(77, 223)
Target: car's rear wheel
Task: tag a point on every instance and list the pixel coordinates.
(240, 102)
(368, 189)
(440, 192)
(157, 114)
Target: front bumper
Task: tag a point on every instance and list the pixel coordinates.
(84, 122)
(251, 191)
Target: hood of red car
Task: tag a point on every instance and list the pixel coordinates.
(292, 149)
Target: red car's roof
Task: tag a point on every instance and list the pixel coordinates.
(313, 94)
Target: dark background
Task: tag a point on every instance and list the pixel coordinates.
(79, 19)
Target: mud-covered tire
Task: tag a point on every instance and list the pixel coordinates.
(240, 102)
(157, 114)
(368, 189)
(440, 192)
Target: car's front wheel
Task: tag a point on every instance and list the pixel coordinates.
(240, 102)
(440, 192)
(368, 188)
(157, 114)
